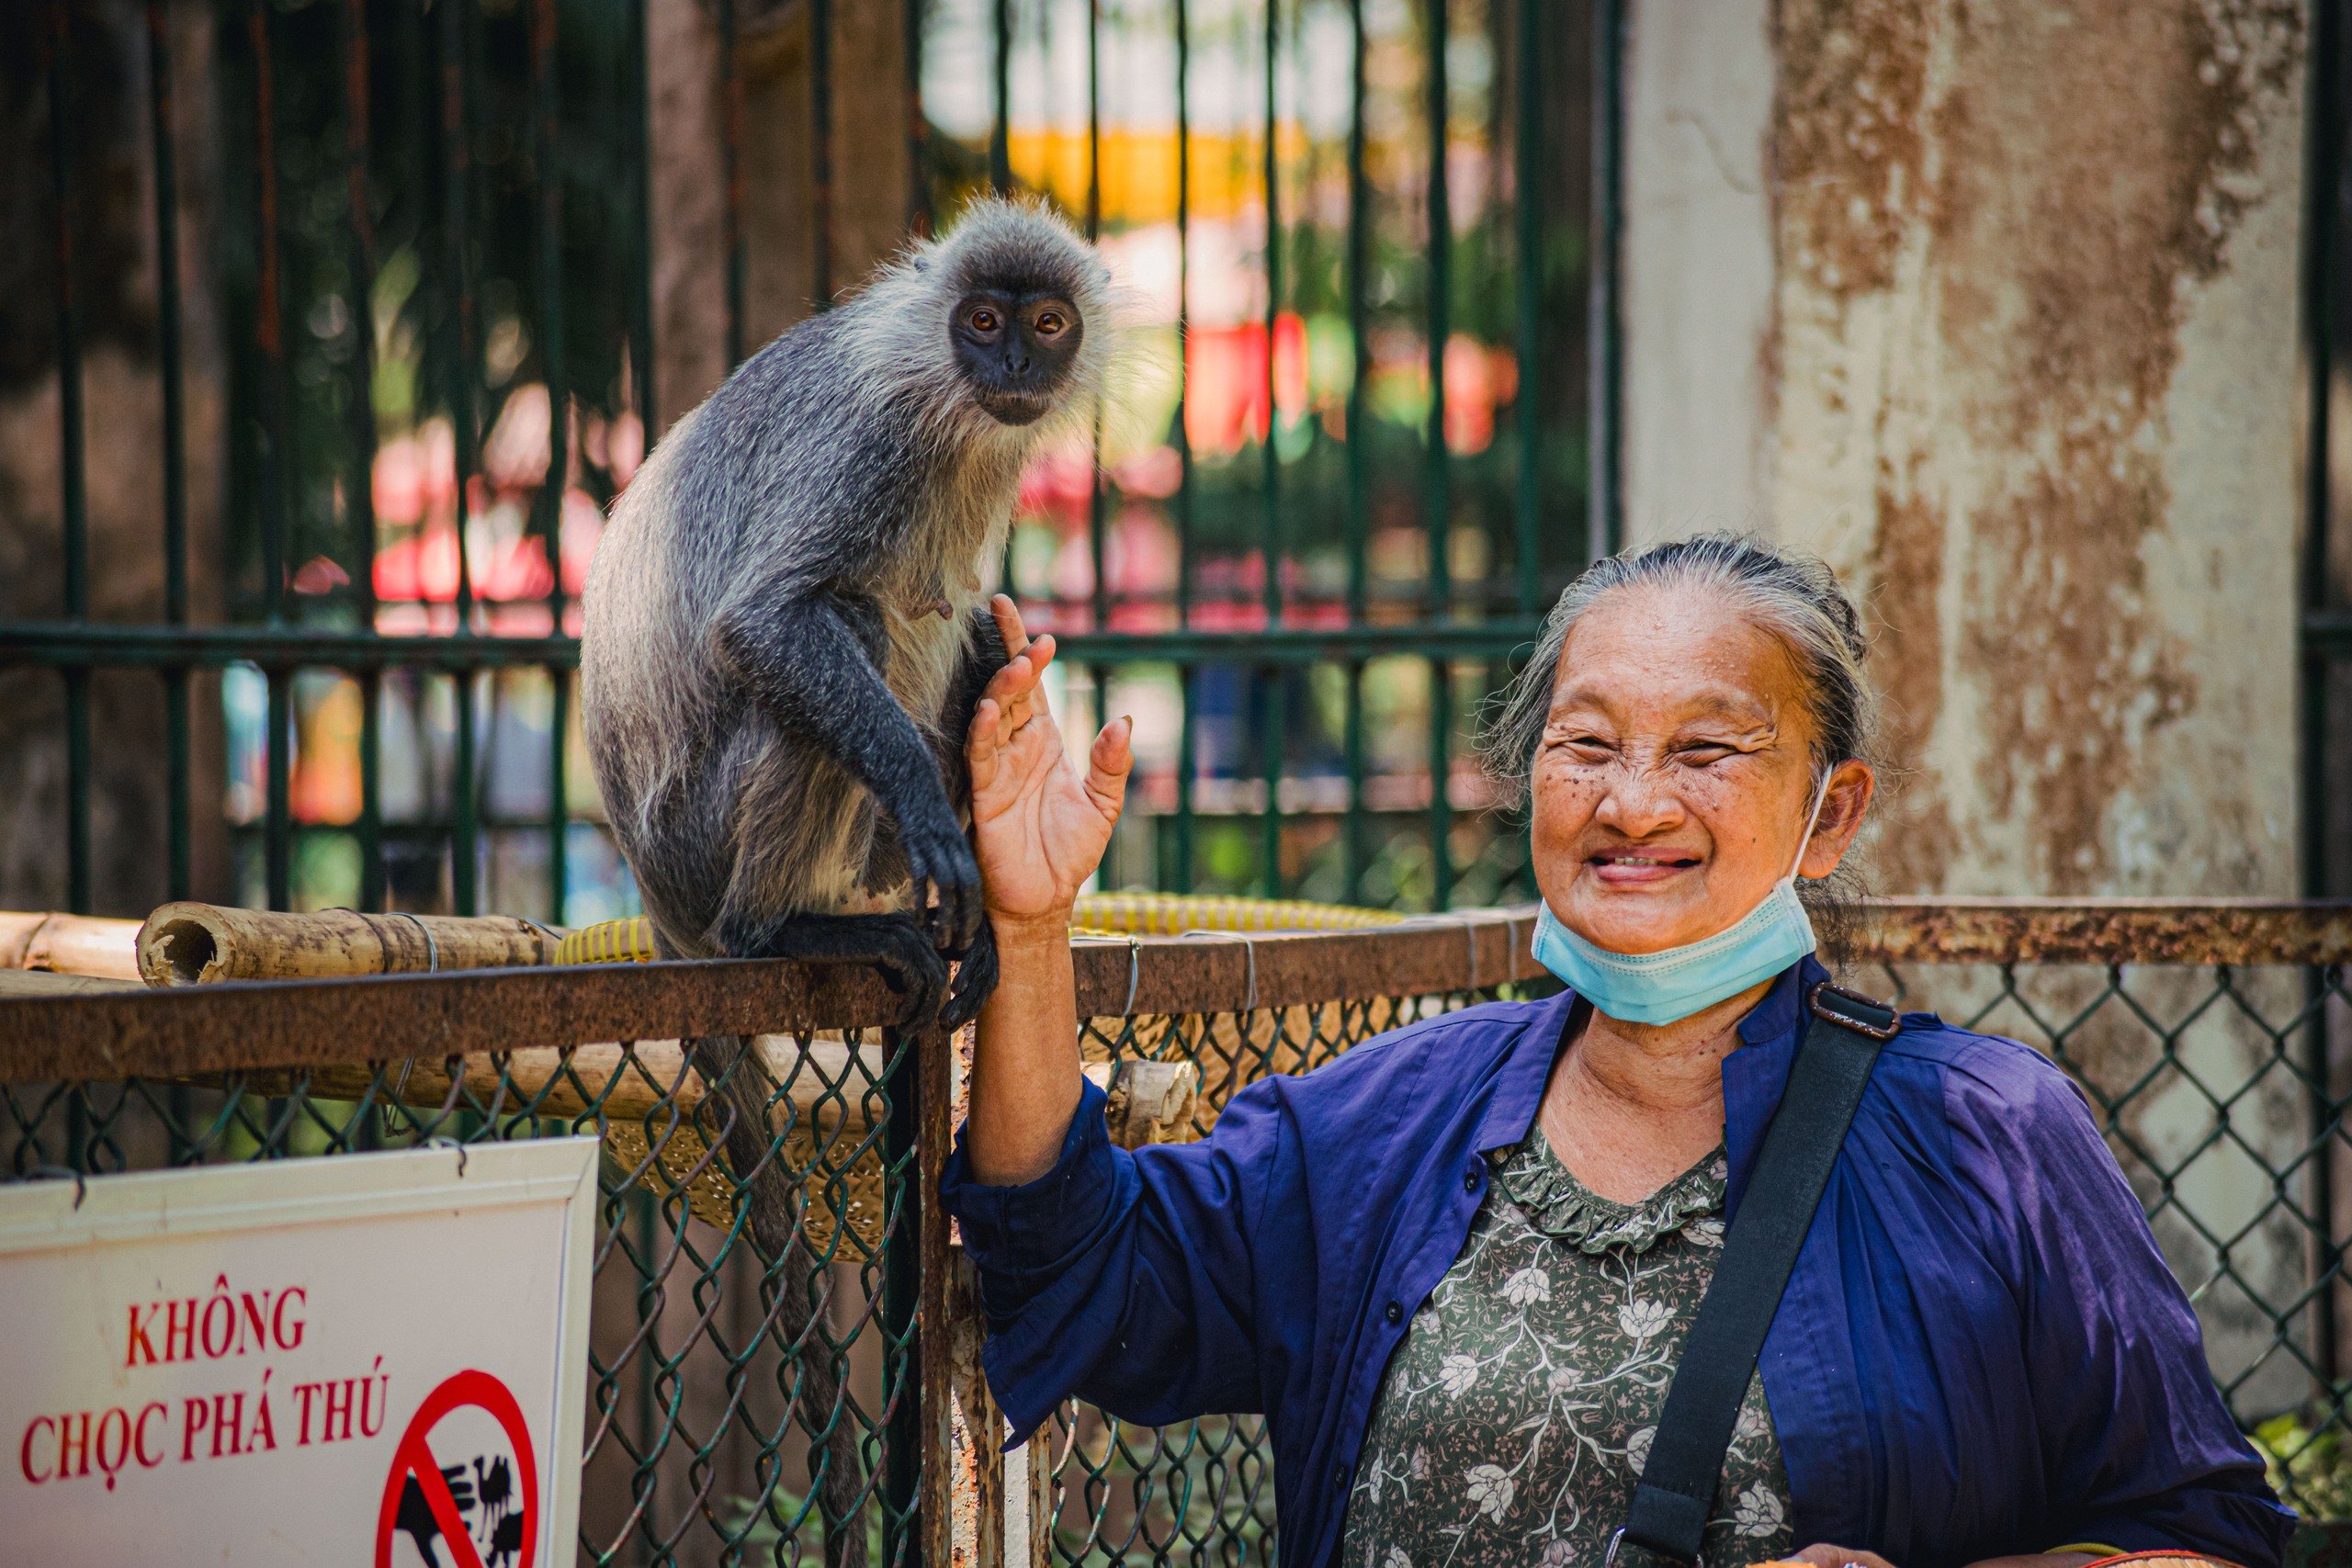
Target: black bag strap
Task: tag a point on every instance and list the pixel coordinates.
(1677, 1491)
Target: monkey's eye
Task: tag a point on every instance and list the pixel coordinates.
(1049, 322)
(984, 319)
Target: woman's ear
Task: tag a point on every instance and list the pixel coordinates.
(1852, 784)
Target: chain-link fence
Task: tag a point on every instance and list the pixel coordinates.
(2201, 1034)
(752, 1392)
(774, 1399)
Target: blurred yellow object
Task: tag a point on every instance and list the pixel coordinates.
(1097, 914)
(609, 942)
(1173, 914)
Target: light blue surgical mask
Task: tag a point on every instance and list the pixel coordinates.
(1667, 987)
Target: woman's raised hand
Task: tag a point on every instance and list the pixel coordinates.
(1039, 829)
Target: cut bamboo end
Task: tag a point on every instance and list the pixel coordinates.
(202, 944)
(69, 944)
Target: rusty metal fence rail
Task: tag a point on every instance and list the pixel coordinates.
(823, 1407)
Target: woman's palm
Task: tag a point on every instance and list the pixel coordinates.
(1039, 827)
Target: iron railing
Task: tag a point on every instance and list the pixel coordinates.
(426, 237)
(2211, 1039)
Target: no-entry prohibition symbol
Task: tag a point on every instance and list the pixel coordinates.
(420, 1503)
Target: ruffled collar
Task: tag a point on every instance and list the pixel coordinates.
(1566, 1210)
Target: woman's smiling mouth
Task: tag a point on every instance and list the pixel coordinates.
(1628, 868)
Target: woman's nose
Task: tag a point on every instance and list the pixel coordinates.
(1636, 805)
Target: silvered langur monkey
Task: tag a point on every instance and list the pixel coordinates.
(785, 638)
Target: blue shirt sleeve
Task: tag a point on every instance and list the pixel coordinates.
(1127, 1279)
(2138, 1446)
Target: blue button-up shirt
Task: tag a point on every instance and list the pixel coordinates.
(1981, 1350)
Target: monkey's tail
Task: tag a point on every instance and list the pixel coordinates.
(772, 1204)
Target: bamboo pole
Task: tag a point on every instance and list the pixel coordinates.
(201, 944)
(69, 944)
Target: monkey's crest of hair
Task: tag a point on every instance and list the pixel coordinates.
(898, 320)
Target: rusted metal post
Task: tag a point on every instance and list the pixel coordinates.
(935, 1076)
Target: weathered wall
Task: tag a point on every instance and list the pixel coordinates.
(1698, 297)
(2027, 378)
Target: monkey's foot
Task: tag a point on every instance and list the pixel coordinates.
(892, 944)
(975, 976)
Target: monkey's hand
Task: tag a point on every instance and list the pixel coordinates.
(1040, 829)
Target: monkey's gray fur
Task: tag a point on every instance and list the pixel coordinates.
(784, 637)
(846, 482)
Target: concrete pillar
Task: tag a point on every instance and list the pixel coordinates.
(1697, 267)
(1995, 306)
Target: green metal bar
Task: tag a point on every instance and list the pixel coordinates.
(1359, 334)
(1604, 524)
(1270, 681)
(730, 164)
(358, 477)
(557, 482)
(179, 865)
(465, 804)
(163, 147)
(1526, 180)
(269, 325)
(163, 144)
(559, 791)
(2327, 633)
(459, 351)
(277, 839)
(71, 438)
(1353, 846)
(1441, 773)
(1098, 494)
(1188, 767)
(56, 643)
(821, 151)
(78, 869)
(269, 328)
(1188, 756)
(371, 790)
(1440, 473)
(918, 125)
(641, 329)
(1352, 830)
(1184, 315)
(1000, 134)
(1273, 689)
(1270, 535)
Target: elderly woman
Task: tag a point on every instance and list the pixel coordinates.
(1459, 1269)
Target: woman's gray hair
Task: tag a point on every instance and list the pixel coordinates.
(1793, 595)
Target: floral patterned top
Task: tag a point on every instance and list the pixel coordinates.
(1513, 1419)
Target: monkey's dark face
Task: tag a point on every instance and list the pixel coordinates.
(1015, 349)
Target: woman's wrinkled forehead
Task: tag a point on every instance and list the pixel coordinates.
(1678, 654)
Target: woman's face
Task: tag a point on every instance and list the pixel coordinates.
(1673, 780)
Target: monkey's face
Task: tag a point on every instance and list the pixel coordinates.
(1015, 349)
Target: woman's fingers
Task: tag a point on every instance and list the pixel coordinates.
(984, 744)
(1826, 1556)
(1108, 764)
(1015, 687)
(1008, 624)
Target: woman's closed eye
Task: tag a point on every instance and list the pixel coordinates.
(1585, 745)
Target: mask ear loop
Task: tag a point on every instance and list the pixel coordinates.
(1820, 799)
